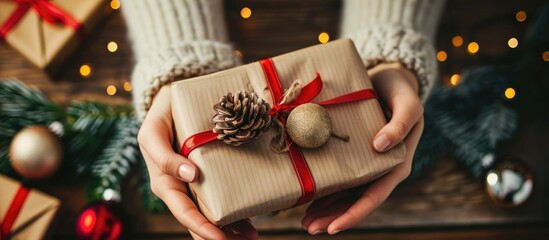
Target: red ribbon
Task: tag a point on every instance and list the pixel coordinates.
(47, 11)
(13, 211)
(307, 94)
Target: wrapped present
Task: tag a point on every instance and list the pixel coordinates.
(24, 213)
(47, 32)
(252, 179)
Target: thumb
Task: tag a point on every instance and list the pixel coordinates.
(407, 109)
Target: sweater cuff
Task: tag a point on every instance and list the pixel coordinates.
(391, 43)
(180, 61)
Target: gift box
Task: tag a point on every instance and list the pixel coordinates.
(251, 179)
(47, 32)
(24, 213)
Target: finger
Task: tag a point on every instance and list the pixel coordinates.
(337, 202)
(407, 109)
(319, 225)
(155, 138)
(160, 181)
(377, 192)
(369, 201)
(188, 215)
(325, 202)
(195, 236)
(243, 228)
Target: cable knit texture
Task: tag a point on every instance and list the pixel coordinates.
(395, 31)
(172, 40)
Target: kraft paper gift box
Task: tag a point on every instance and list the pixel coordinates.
(249, 180)
(35, 215)
(49, 45)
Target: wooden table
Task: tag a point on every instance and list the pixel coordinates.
(444, 203)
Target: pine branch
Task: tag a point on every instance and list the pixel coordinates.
(116, 160)
(472, 116)
(90, 125)
(21, 106)
(5, 165)
(95, 118)
(496, 123)
(149, 201)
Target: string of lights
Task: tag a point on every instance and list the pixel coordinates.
(443, 56)
(112, 47)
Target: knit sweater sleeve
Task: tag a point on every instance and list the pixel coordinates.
(395, 31)
(172, 40)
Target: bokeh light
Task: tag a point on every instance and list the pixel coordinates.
(115, 4)
(454, 79)
(111, 90)
(127, 86)
(246, 12)
(238, 54)
(513, 42)
(545, 56)
(112, 46)
(442, 56)
(520, 16)
(510, 93)
(323, 37)
(457, 41)
(85, 70)
(473, 47)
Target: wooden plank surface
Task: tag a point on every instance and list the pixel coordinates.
(445, 197)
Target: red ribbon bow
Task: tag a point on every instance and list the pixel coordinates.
(47, 11)
(13, 211)
(307, 94)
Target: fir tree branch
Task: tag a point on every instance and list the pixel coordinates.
(117, 158)
(21, 106)
(5, 165)
(472, 117)
(89, 127)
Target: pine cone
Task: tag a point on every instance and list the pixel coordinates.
(240, 117)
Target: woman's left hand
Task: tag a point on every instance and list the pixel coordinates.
(397, 88)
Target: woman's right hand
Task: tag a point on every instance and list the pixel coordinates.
(170, 172)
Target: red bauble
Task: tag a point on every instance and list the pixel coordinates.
(99, 221)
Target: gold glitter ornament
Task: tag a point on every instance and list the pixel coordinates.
(309, 125)
(35, 152)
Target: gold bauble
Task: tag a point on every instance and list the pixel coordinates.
(35, 152)
(309, 125)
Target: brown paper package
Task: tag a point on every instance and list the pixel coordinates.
(48, 45)
(240, 182)
(37, 212)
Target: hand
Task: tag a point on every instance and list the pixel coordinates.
(169, 172)
(397, 87)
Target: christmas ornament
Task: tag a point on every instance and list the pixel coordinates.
(309, 125)
(240, 117)
(35, 152)
(99, 140)
(101, 220)
(509, 183)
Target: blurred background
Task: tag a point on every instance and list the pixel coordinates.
(481, 169)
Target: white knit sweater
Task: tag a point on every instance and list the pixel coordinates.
(175, 39)
(395, 31)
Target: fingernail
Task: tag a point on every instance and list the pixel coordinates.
(336, 231)
(186, 172)
(381, 142)
(318, 232)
